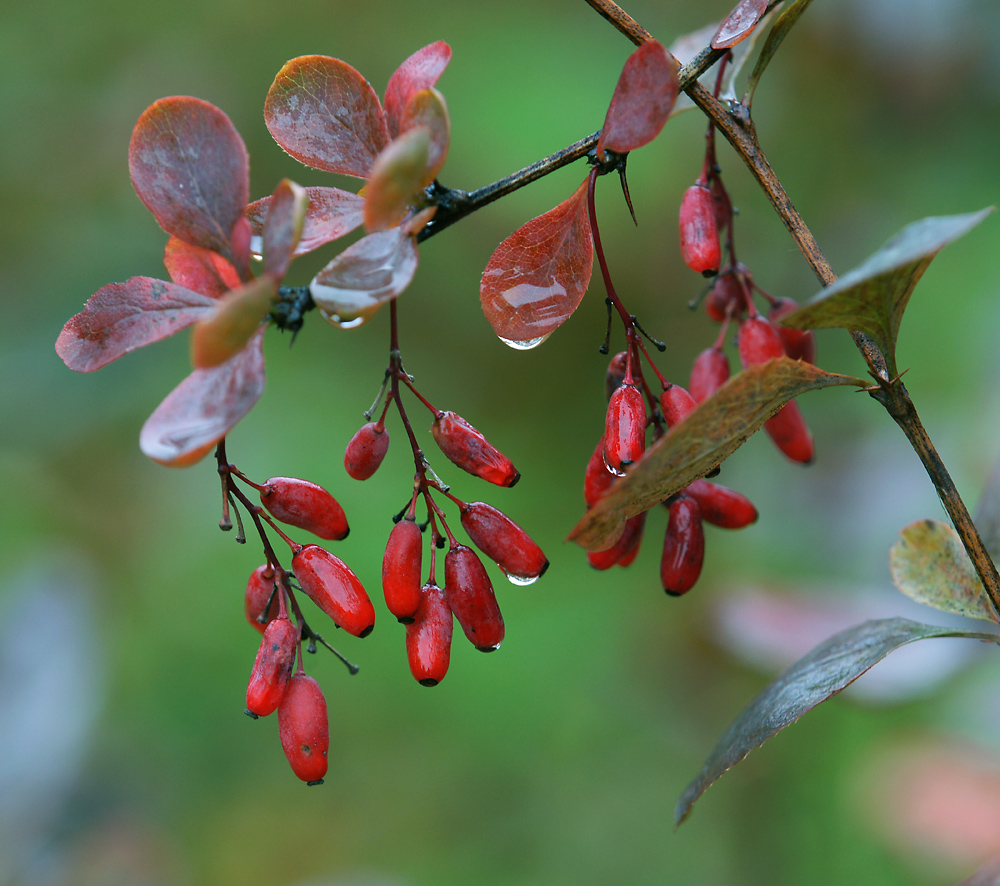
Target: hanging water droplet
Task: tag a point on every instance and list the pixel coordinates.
(525, 345)
(257, 247)
(521, 580)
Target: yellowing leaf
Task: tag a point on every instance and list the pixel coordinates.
(397, 179)
(427, 109)
(233, 322)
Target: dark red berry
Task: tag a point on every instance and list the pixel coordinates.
(401, 570)
(723, 206)
(788, 429)
(709, 373)
(624, 428)
(428, 638)
(332, 586)
(260, 588)
(623, 551)
(306, 505)
(597, 479)
(726, 298)
(272, 668)
(758, 341)
(676, 404)
(471, 451)
(470, 596)
(504, 542)
(683, 547)
(366, 450)
(700, 247)
(800, 344)
(615, 375)
(304, 729)
(721, 506)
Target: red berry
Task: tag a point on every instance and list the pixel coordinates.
(788, 429)
(676, 404)
(332, 586)
(624, 428)
(366, 450)
(504, 542)
(709, 373)
(700, 247)
(721, 506)
(758, 342)
(683, 547)
(428, 638)
(623, 551)
(272, 668)
(304, 729)
(259, 590)
(471, 451)
(470, 596)
(401, 570)
(726, 298)
(615, 375)
(306, 505)
(800, 344)
(597, 479)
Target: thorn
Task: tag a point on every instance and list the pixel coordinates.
(606, 347)
(628, 198)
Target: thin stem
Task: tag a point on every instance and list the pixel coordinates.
(621, 20)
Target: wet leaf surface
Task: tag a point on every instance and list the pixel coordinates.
(332, 213)
(739, 23)
(286, 217)
(420, 71)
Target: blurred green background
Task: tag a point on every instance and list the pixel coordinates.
(126, 756)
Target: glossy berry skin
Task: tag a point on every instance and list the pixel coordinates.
(304, 729)
(428, 638)
(789, 432)
(336, 590)
(504, 542)
(470, 595)
(272, 668)
(683, 547)
(615, 375)
(624, 428)
(709, 373)
(401, 568)
(597, 479)
(471, 451)
(800, 344)
(258, 592)
(721, 506)
(623, 551)
(759, 342)
(676, 404)
(306, 505)
(699, 233)
(366, 450)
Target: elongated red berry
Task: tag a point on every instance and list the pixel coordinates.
(597, 479)
(366, 450)
(623, 551)
(304, 729)
(470, 595)
(683, 547)
(709, 373)
(758, 341)
(800, 344)
(624, 428)
(726, 297)
(676, 404)
(306, 505)
(401, 570)
(260, 588)
(428, 638)
(504, 542)
(272, 668)
(615, 375)
(721, 506)
(700, 247)
(332, 586)
(788, 429)
(471, 451)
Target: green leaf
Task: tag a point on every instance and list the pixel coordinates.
(782, 25)
(707, 436)
(930, 565)
(827, 670)
(873, 296)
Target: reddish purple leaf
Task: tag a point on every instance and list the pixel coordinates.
(233, 322)
(203, 408)
(427, 109)
(189, 166)
(420, 71)
(199, 269)
(283, 228)
(642, 100)
(399, 176)
(121, 317)
(326, 115)
(538, 275)
(332, 213)
(377, 268)
(739, 23)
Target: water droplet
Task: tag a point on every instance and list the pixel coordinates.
(617, 472)
(257, 247)
(525, 345)
(521, 580)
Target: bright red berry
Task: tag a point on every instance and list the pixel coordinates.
(304, 729)
(504, 542)
(428, 638)
(306, 505)
(332, 586)
(676, 404)
(272, 668)
(683, 547)
(623, 551)
(615, 375)
(597, 479)
(721, 506)
(470, 596)
(260, 589)
(758, 341)
(800, 344)
(699, 232)
(366, 450)
(624, 428)
(709, 373)
(471, 451)
(788, 429)
(401, 570)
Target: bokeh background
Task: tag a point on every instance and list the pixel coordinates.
(124, 753)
